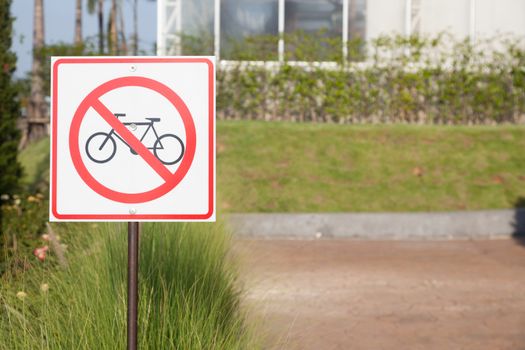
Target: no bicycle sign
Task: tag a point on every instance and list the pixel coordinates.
(133, 139)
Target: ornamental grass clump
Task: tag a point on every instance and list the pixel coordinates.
(188, 298)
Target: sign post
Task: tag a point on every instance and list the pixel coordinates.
(133, 270)
(133, 140)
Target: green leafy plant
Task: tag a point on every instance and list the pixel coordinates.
(404, 79)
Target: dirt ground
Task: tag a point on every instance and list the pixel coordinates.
(345, 294)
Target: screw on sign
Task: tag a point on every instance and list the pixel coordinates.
(94, 137)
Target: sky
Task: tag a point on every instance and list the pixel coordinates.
(59, 22)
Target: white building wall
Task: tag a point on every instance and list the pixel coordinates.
(445, 16)
(500, 16)
(480, 18)
(384, 17)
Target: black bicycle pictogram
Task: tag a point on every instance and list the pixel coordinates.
(168, 148)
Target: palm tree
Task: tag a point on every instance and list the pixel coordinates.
(116, 38)
(135, 28)
(100, 14)
(123, 48)
(38, 119)
(112, 29)
(78, 23)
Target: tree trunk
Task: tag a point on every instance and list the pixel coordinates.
(135, 28)
(78, 23)
(123, 49)
(112, 29)
(101, 26)
(38, 119)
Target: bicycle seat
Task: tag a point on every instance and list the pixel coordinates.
(153, 119)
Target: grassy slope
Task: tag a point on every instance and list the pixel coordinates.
(274, 167)
(35, 160)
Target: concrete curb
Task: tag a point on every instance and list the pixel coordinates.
(441, 225)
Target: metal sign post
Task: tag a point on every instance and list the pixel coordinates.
(133, 269)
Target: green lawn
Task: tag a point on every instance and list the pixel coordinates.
(283, 167)
(35, 159)
(289, 167)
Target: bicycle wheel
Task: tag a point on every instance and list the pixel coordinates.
(169, 149)
(101, 147)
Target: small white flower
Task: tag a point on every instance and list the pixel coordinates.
(4, 197)
(44, 287)
(21, 295)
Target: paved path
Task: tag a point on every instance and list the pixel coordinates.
(344, 294)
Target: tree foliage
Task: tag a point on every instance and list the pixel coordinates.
(86, 48)
(10, 168)
(9, 107)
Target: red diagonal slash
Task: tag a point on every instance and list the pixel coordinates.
(92, 101)
(132, 141)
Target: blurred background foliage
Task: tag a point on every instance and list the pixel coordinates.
(434, 80)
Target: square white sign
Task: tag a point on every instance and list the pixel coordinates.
(132, 139)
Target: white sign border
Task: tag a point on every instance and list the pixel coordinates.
(54, 216)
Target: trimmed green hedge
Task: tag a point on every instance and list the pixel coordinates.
(410, 80)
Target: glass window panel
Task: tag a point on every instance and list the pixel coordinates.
(313, 16)
(197, 19)
(313, 30)
(249, 29)
(356, 29)
(356, 19)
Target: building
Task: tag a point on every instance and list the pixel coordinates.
(220, 23)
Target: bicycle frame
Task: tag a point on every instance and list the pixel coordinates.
(169, 158)
(150, 126)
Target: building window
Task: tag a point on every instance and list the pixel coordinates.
(196, 34)
(356, 19)
(311, 30)
(249, 29)
(313, 16)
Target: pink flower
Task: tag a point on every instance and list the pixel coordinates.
(40, 253)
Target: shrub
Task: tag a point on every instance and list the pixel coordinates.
(409, 80)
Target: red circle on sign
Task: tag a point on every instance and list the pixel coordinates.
(93, 98)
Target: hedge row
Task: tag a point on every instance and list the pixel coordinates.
(414, 80)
